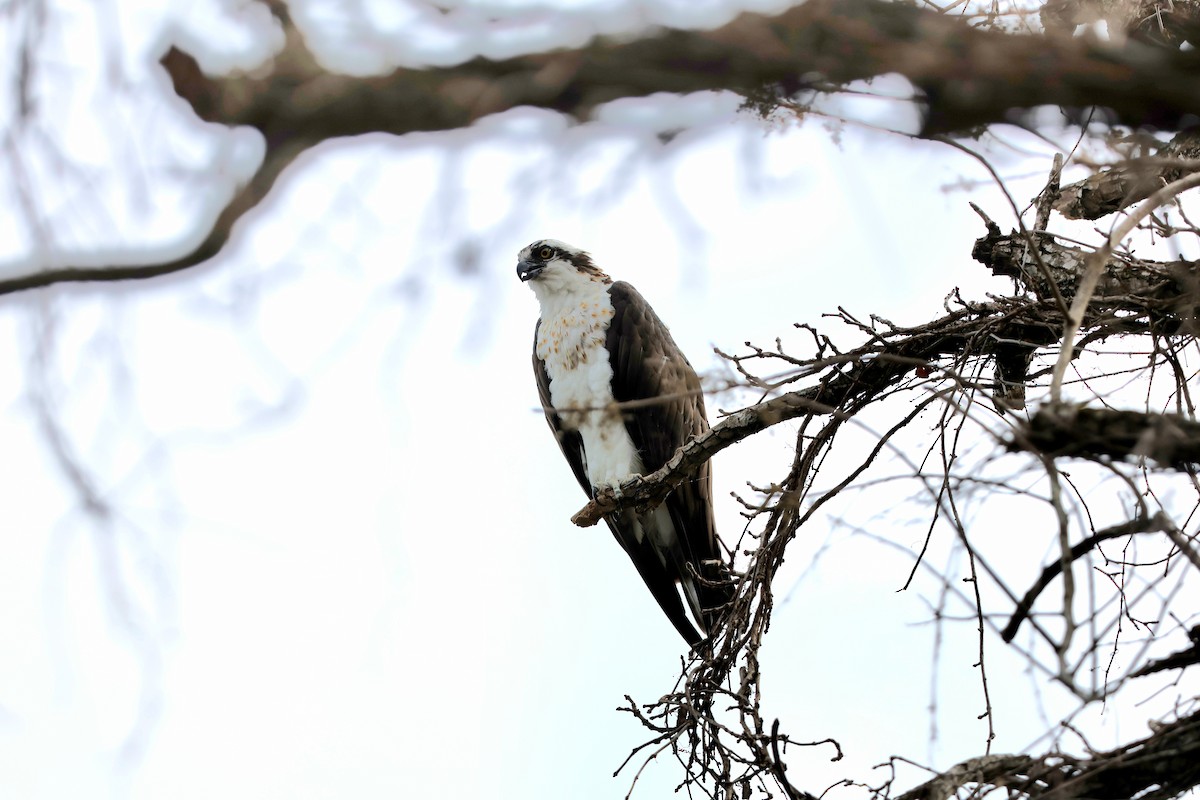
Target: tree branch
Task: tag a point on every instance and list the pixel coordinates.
(647, 491)
(1125, 283)
(970, 75)
(864, 372)
(967, 76)
(1064, 430)
(1162, 765)
(992, 328)
(1114, 188)
(210, 246)
(1055, 568)
(984, 770)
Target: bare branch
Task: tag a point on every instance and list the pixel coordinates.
(1114, 188)
(1124, 283)
(1095, 269)
(1162, 765)
(864, 372)
(650, 490)
(964, 73)
(1074, 553)
(246, 199)
(985, 770)
(1170, 440)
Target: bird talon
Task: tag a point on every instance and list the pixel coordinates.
(633, 484)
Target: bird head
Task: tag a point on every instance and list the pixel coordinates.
(552, 261)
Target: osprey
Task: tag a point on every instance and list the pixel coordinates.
(598, 344)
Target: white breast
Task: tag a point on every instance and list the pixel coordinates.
(571, 343)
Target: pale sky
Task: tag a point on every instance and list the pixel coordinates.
(332, 555)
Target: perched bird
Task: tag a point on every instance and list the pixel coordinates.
(597, 344)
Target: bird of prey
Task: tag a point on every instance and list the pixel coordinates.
(597, 345)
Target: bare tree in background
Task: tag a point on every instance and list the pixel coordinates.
(1095, 340)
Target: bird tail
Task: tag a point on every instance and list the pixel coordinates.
(709, 588)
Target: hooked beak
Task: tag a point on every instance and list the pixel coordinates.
(528, 270)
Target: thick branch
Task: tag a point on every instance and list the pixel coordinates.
(968, 76)
(1163, 765)
(1126, 283)
(1114, 188)
(1064, 430)
(1178, 660)
(985, 770)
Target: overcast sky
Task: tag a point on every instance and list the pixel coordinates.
(328, 551)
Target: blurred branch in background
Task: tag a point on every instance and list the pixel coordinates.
(968, 71)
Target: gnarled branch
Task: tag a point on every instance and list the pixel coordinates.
(864, 372)
(966, 75)
(647, 491)
(1114, 188)
(1162, 765)
(1171, 440)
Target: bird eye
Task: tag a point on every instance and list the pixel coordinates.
(545, 253)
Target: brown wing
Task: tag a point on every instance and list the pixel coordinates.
(647, 364)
